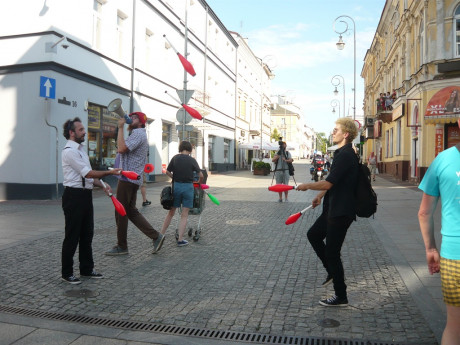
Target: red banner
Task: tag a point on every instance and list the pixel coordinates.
(445, 104)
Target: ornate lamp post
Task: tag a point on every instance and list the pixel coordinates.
(340, 45)
(335, 81)
(335, 103)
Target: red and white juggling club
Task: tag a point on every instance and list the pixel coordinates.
(118, 206)
(280, 188)
(185, 63)
(293, 217)
(129, 174)
(193, 113)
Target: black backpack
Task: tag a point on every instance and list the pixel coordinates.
(167, 198)
(365, 197)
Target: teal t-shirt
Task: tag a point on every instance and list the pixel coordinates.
(442, 179)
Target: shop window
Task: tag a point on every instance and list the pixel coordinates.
(102, 135)
(210, 152)
(226, 150)
(398, 138)
(165, 140)
(452, 135)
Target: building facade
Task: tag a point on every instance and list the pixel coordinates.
(414, 56)
(70, 58)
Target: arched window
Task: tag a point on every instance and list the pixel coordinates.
(457, 31)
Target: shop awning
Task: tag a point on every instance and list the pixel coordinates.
(444, 106)
(257, 146)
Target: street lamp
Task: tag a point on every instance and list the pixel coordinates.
(340, 45)
(335, 81)
(335, 103)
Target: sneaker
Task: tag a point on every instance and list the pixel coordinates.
(182, 243)
(327, 281)
(117, 251)
(146, 203)
(158, 243)
(334, 301)
(72, 280)
(280, 200)
(93, 275)
(286, 200)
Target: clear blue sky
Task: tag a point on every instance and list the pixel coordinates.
(299, 40)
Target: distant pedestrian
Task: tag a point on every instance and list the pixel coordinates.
(372, 164)
(328, 232)
(77, 202)
(132, 156)
(182, 169)
(145, 202)
(281, 160)
(442, 180)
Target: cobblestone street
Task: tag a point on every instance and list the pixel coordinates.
(248, 272)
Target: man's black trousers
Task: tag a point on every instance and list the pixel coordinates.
(334, 231)
(77, 204)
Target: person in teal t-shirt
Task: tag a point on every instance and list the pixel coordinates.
(442, 180)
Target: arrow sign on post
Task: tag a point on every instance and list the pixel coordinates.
(47, 87)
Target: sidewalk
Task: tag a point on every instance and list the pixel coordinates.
(249, 279)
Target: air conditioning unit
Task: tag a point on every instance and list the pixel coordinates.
(369, 121)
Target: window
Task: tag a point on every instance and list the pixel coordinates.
(120, 33)
(165, 140)
(387, 140)
(102, 130)
(226, 150)
(390, 141)
(97, 24)
(457, 31)
(398, 138)
(243, 109)
(148, 49)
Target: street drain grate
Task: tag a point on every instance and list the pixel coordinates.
(243, 221)
(83, 293)
(189, 331)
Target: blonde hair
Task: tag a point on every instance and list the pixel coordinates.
(348, 126)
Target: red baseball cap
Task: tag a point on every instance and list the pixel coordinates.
(142, 117)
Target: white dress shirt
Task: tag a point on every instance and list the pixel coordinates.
(75, 165)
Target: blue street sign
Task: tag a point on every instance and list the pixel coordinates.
(47, 87)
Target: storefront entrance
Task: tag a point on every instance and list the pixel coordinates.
(102, 132)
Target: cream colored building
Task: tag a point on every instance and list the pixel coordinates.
(416, 53)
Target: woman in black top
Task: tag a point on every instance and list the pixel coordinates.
(181, 169)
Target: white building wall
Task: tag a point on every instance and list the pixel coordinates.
(96, 69)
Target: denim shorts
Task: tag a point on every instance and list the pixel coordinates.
(183, 194)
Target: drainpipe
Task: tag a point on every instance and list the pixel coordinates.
(47, 111)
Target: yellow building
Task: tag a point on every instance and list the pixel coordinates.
(415, 56)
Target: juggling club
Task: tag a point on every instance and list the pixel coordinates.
(118, 206)
(201, 185)
(194, 113)
(129, 174)
(280, 188)
(149, 168)
(293, 217)
(185, 63)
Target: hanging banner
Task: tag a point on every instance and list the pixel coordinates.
(439, 145)
(444, 106)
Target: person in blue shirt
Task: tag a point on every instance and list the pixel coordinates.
(442, 180)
